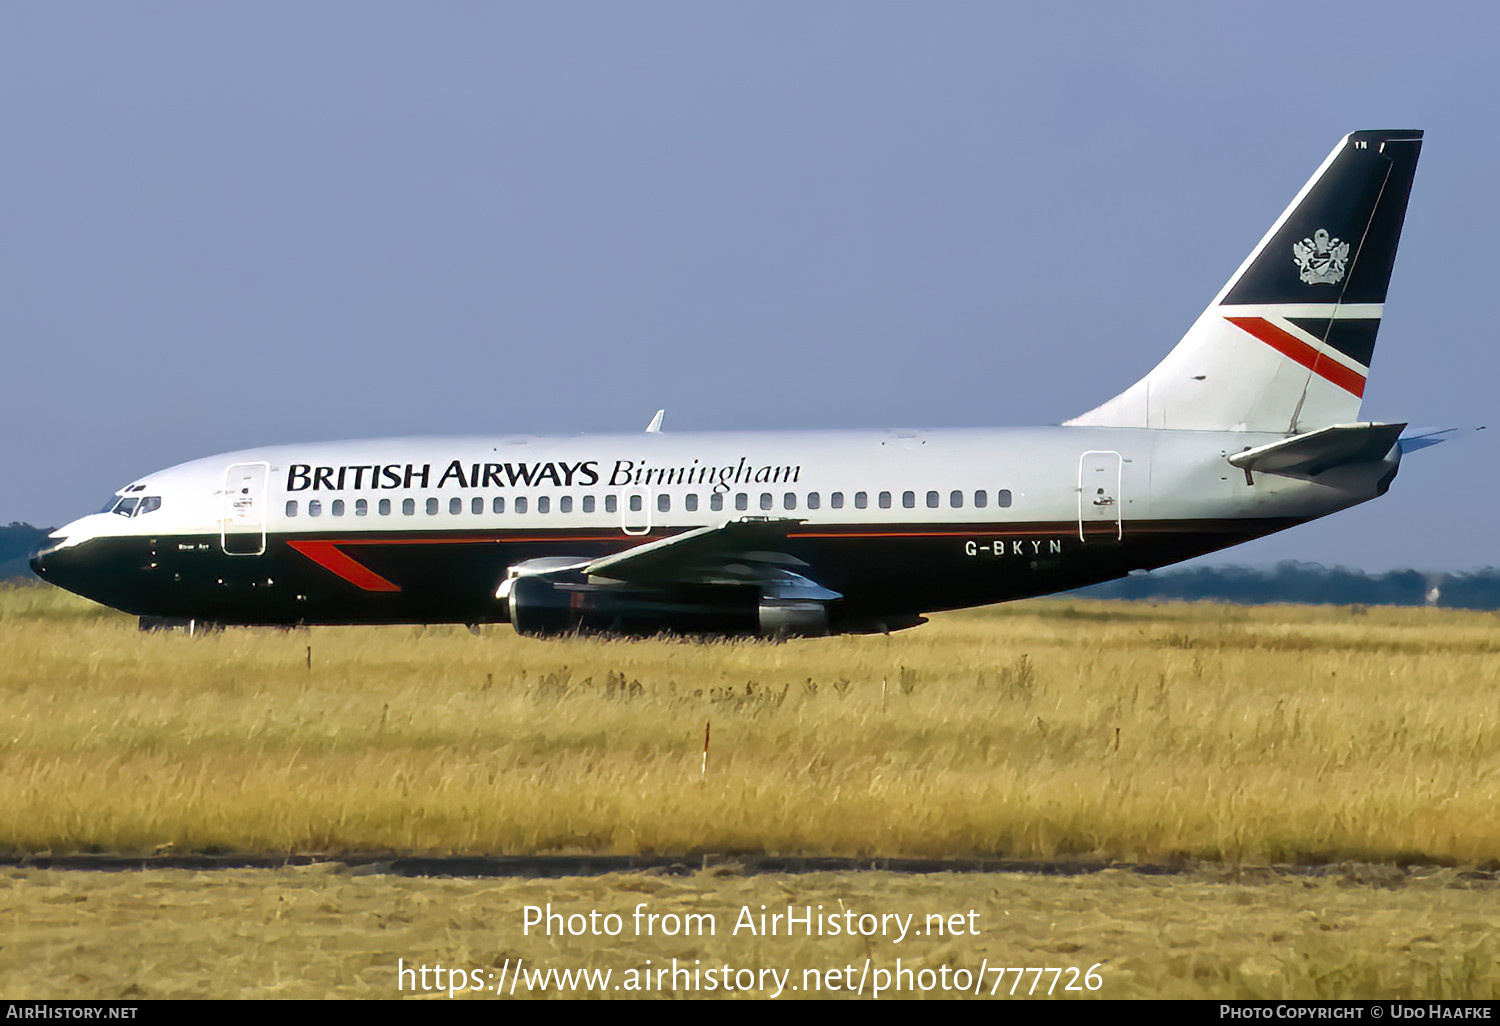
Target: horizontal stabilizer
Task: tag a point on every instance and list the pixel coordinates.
(1317, 451)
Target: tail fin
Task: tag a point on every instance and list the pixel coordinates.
(1286, 344)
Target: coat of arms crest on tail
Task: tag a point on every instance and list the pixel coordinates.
(1322, 259)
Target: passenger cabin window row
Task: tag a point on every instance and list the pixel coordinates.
(635, 502)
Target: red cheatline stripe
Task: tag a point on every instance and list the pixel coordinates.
(968, 533)
(326, 553)
(1293, 347)
(329, 557)
(473, 539)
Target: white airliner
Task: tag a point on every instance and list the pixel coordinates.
(1248, 426)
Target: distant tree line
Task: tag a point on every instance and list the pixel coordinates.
(1307, 583)
(1311, 584)
(17, 543)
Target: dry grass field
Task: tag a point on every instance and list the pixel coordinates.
(325, 932)
(1240, 737)
(1042, 729)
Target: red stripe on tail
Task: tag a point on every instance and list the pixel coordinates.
(1294, 348)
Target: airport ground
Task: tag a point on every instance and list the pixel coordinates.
(1226, 740)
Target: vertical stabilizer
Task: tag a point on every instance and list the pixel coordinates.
(1286, 344)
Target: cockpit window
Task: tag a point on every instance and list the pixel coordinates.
(133, 505)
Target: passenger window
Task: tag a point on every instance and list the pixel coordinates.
(361, 507)
(741, 501)
(408, 507)
(291, 507)
(663, 503)
(981, 500)
(765, 500)
(455, 505)
(432, 507)
(611, 504)
(497, 504)
(565, 504)
(520, 504)
(836, 500)
(813, 502)
(337, 507)
(716, 501)
(861, 500)
(690, 502)
(588, 504)
(544, 504)
(789, 501)
(932, 500)
(315, 507)
(385, 507)
(885, 500)
(956, 499)
(476, 505)
(637, 503)
(1004, 497)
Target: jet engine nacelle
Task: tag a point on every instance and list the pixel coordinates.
(548, 606)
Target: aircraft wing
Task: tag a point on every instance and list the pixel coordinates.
(762, 590)
(740, 551)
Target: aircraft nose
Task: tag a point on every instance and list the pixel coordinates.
(62, 564)
(41, 563)
(107, 570)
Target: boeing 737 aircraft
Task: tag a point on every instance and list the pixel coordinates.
(1248, 426)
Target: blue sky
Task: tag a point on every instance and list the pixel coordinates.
(233, 225)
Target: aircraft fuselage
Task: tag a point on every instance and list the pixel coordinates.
(898, 523)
